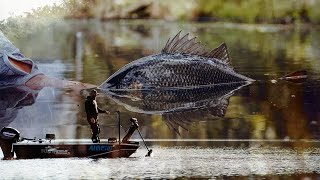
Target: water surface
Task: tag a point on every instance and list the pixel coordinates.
(285, 114)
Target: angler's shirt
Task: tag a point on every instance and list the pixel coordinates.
(92, 108)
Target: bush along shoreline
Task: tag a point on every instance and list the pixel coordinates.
(234, 11)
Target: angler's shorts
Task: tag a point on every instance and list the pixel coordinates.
(10, 75)
(12, 100)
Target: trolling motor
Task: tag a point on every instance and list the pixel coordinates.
(8, 136)
(134, 126)
(149, 150)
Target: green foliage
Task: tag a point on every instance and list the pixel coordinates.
(243, 11)
(79, 8)
(314, 13)
(48, 11)
(261, 11)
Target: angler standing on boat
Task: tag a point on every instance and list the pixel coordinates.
(92, 111)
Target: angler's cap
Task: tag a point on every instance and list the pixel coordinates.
(94, 91)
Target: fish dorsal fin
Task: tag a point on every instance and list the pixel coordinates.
(221, 52)
(185, 45)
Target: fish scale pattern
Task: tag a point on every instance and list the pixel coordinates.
(183, 73)
(182, 63)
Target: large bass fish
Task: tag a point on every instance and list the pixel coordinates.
(183, 62)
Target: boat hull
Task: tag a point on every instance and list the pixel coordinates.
(88, 150)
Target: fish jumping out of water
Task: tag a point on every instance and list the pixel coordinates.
(182, 63)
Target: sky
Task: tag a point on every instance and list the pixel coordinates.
(18, 7)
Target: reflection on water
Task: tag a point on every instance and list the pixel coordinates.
(174, 100)
(91, 51)
(178, 105)
(175, 162)
(260, 111)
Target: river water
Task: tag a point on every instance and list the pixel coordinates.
(268, 129)
(173, 162)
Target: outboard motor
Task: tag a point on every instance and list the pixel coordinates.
(133, 127)
(8, 136)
